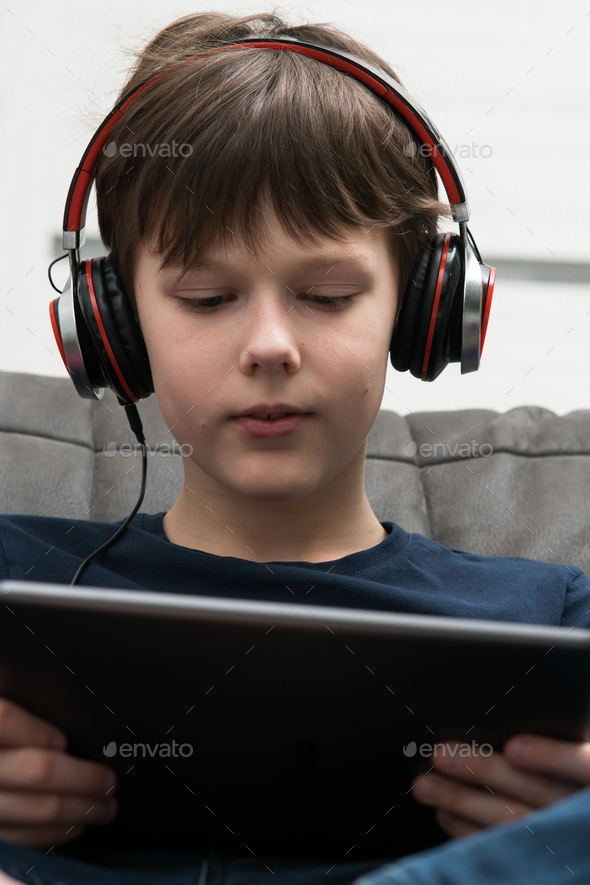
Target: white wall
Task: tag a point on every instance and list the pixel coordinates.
(509, 75)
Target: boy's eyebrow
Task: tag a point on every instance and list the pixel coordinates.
(319, 263)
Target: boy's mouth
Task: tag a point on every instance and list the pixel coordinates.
(270, 425)
(266, 417)
(270, 411)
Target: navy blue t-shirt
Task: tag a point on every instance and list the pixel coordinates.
(405, 572)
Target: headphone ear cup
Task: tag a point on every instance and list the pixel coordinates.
(428, 336)
(115, 333)
(402, 340)
(441, 313)
(128, 327)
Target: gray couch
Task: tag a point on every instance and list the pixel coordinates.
(502, 484)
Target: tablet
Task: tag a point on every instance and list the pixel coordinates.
(252, 727)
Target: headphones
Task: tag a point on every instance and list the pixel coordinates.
(445, 308)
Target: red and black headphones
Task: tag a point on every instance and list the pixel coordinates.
(445, 307)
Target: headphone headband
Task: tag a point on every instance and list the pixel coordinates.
(377, 81)
(444, 310)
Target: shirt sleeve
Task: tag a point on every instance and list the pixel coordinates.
(576, 610)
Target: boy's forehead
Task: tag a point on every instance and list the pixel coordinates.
(356, 249)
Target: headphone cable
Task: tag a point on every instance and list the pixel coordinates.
(65, 255)
(137, 428)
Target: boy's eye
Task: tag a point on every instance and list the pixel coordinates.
(206, 305)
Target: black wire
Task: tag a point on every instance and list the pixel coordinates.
(137, 428)
(49, 271)
(473, 245)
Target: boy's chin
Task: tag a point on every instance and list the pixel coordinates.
(274, 494)
(279, 490)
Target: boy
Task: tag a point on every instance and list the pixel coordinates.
(276, 290)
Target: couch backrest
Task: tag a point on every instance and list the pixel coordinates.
(511, 484)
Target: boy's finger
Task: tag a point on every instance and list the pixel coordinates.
(51, 809)
(470, 803)
(496, 774)
(49, 771)
(456, 826)
(567, 759)
(18, 727)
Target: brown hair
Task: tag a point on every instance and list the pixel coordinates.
(260, 124)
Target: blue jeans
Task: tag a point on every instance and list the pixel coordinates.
(548, 847)
(172, 868)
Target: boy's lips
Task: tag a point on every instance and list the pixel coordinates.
(270, 409)
(271, 428)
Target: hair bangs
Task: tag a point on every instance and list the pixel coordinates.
(218, 140)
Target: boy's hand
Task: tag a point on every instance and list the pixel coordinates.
(474, 792)
(46, 796)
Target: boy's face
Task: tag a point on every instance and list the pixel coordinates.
(271, 341)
